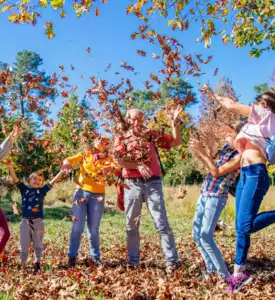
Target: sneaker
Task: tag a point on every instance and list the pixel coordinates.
(171, 268)
(37, 267)
(204, 276)
(237, 282)
(130, 265)
(71, 261)
(98, 262)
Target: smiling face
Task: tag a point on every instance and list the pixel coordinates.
(36, 180)
(101, 145)
(135, 118)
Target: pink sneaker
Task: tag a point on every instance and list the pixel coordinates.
(237, 282)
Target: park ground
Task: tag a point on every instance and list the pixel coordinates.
(115, 280)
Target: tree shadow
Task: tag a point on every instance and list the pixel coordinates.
(261, 264)
(51, 213)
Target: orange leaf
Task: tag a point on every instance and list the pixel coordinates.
(74, 219)
(65, 94)
(97, 12)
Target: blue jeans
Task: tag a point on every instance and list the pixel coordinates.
(207, 215)
(152, 193)
(253, 185)
(93, 207)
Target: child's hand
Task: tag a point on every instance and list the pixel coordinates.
(209, 140)
(173, 114)
(16, 131)
(8, 163)
(66, 169)
(197, 147)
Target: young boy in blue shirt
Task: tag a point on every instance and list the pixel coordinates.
(32, 225)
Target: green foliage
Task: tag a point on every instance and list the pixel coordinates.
(261, 88)
(71, 123)
(176, 88)
(243, 23)
(24, 92)
(183, 172)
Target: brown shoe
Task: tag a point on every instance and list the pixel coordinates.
(37, 267)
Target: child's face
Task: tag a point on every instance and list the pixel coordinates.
(36, 181)
(100, 145)
(87, 148)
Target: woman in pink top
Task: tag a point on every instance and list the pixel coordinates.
(254, 180)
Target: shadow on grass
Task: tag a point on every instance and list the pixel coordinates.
(50, 213)
(262, 264)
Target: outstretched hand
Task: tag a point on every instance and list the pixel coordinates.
(197, 147)
(8, 163)
(173, 114)
(16, 131)
(66, 169)
(209, 140)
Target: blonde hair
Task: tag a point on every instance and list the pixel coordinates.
(131, 112)
(36, 174)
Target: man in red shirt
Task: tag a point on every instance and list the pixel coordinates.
(141, 171)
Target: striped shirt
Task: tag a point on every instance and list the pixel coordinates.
(219, 186)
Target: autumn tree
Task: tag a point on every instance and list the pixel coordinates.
(25, 90)
(72, 122)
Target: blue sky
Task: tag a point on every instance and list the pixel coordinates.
(108, 36)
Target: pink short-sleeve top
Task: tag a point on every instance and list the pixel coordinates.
(260, 126)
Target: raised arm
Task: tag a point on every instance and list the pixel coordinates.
(226, 168)
(70, 162)
(228, 103)
(56, 178)
(175, 123)
(12, 172)
(6, 146)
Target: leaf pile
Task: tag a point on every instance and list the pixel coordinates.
(148, 281)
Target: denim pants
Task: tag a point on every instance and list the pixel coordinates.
(92, 205)
(152, 193)
(208, 211)
(253, 185)
(31, 231)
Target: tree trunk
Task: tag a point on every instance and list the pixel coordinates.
(22, 101)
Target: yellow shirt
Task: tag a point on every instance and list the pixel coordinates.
(88, 178)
